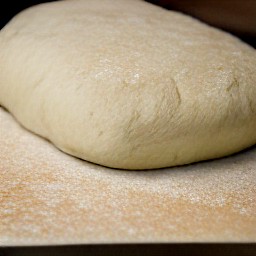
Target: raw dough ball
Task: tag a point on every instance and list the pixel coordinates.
(127, 84)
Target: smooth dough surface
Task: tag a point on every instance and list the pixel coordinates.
(126, 84)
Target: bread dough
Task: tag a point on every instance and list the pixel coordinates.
(126, 84)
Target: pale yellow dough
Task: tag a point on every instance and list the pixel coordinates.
(126, 84)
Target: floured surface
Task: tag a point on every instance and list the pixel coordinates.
(48, 197)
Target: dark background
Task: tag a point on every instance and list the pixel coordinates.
(235, 16)
(178, 249)
(9, 8)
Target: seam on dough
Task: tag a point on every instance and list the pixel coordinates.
(178, 93)
(234, 84)
(134, 119)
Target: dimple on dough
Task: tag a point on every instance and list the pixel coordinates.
(126, 84)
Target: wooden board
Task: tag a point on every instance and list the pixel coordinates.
(48, 197)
